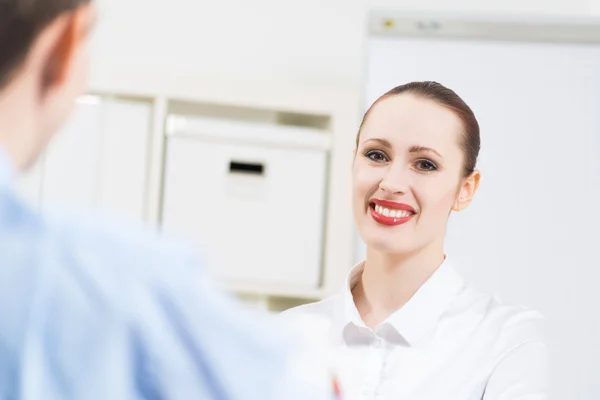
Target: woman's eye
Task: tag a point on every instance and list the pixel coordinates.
(376, 155)
(426, 165)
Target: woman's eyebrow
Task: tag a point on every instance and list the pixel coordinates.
(383, 142)
(423, 149)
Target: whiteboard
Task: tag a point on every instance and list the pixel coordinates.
(531, 236)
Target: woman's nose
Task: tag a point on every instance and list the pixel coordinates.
(396, 180)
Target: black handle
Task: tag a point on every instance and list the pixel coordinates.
(246, 168)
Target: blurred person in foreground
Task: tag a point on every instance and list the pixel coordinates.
(89, 311)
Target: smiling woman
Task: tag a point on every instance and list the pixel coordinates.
(411, 326)
(416, 151)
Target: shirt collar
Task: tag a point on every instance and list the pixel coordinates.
(7, 169)
(350, 313)
(419, 315)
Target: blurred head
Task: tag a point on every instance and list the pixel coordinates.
(43, 68)
(416, 153)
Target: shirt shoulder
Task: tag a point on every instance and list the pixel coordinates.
(118, 244)
(106, 256)
(506, 325)
(516, 359)
(113, 264)
(325, 308)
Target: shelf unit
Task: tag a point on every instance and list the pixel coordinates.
(331, 109)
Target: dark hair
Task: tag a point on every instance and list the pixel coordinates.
(20, 23)
(470, 143)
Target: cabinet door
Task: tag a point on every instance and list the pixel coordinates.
(125, 156)
(256, 211)
(72, 163)
(99, 159)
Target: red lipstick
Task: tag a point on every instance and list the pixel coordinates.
(398, 213)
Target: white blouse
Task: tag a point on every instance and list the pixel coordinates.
(449, 342)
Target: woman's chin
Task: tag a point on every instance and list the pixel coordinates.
(387, 246)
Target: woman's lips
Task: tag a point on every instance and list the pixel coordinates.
(390, 213)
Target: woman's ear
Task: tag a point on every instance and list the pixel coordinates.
(467, 191)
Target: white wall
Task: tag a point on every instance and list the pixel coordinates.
(303, 41)
(524, 256)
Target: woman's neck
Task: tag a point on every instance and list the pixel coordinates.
(389, 281)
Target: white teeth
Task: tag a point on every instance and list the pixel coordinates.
(386, 212)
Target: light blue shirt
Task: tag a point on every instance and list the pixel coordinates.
(93, 311)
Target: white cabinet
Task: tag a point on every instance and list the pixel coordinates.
(260, 183)
(125, 158)
(252, 196)
(99, 160)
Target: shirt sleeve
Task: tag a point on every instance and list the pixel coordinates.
(523, 374)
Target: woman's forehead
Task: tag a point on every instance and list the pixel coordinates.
(410, 119)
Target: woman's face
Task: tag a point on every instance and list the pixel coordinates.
(408, 174)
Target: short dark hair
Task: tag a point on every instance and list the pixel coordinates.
(437, 92)
(20, 23)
